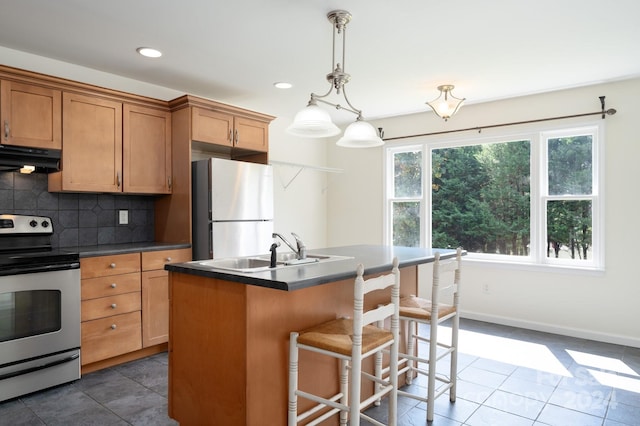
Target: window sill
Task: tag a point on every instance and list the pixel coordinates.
(534, 267)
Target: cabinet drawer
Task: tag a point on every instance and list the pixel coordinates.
(112, 305)
(91, 267)
(92, 288)
(108, 337)
(157, 259)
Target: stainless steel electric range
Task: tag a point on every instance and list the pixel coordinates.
(39, 308)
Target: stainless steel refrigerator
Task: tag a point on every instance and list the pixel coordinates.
(232, 208)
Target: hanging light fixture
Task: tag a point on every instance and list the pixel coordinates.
(314, 122)
(446, 104)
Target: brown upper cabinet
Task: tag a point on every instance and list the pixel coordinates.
(30, 115)
(92, 150)
(109, 146)
(147, 150)
(224, 129)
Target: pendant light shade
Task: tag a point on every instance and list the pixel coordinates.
(446, 105)
(313, 122)
(360, 134)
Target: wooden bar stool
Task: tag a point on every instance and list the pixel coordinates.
(351, 341)
(415, 311)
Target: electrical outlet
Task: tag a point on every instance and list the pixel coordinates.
(123, 217)
(485, 288)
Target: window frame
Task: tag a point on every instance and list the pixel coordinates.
(538, 135)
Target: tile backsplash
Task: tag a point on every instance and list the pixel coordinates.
(78, 219)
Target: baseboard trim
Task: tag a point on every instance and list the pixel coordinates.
(555, 329)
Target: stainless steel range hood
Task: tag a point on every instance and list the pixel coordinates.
(13, 158)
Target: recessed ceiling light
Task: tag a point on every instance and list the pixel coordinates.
(149, 52)
(283, 85)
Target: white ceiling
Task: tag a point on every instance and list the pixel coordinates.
(397, 51)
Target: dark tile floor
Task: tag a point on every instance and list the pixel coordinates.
(507, 376)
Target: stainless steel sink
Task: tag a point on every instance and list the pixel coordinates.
(261, 263)
(240, 264)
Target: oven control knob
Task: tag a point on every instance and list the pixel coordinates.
(45, 224)
(33, 223)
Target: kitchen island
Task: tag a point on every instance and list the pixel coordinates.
(229, 331)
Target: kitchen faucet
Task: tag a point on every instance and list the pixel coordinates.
(300, 250)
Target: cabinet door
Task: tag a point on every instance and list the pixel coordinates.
(30, 115)
(251, 134)
(211, 127)
(146, 150)
(155, 307)
(92, 147)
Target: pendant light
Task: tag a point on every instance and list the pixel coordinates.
(446, 104)
(314, 122)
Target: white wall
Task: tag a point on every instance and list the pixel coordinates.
(300, 201)
(601, 306)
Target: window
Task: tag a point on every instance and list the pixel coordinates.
(528, 198)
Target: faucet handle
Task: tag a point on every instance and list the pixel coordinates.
(302, 249)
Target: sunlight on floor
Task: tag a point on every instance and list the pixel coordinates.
(601, 362)
(510, 351)
(603, 370)
(608, 371)
(631, 384)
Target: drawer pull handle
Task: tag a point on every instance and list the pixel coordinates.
(113, 306)
(113, 265)
(113, 326)
(113, 285)
(169, 259)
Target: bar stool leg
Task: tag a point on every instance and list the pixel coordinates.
(293, 380)
(410, 350)
(344, 389)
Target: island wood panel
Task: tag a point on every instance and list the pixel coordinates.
(228, 350)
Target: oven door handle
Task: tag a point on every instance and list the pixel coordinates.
(40, 367)
(39, 268)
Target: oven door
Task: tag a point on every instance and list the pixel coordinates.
(39, 316)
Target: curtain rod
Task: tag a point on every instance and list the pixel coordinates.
(604, 112)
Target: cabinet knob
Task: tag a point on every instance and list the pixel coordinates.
(113, 306)
(113, 326)
(113, 265)
(169, 259)
(6, 130)
(113, 285)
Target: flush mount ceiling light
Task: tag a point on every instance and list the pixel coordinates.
(314, 122)
(283, 85)
(149, 52)
(446, 104)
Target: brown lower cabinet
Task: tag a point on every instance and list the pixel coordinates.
(155, 294)
(125, 305)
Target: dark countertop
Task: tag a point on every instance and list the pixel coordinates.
(111, 249)
(375, 259)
